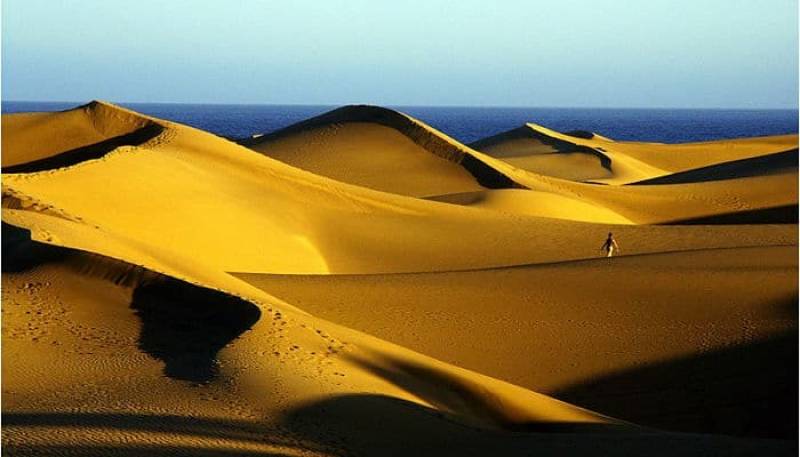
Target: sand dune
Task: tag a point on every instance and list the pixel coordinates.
(594, 158)
(41, 141)
(577, 158)
(406, 156)
(550, 327)
(130, 335)
(535, 203)
(379, 149)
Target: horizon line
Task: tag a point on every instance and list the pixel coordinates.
(715, 108)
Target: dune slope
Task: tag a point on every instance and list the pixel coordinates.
(599, 159)
(288, 220)
(551, 327)
(380, 149)
(41, 141)
(109, 367)
(130, 336)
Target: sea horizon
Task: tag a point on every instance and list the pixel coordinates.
(471, 123)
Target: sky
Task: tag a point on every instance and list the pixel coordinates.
(555, 53)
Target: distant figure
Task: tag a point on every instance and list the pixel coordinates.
(610, 245)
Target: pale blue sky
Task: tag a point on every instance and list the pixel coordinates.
(581, 53)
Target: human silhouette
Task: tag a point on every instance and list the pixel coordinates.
(610, 246)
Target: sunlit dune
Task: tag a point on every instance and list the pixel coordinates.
(67, 137)
(380, 149)
(557, 326)
(361, 283)
(589, 157)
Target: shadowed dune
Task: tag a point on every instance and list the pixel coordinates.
(129, 334)
(358, 425)
(351, 421)
(182, 325)
(786, 214)
(747, 390)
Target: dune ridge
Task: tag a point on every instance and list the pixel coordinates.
(393, 129)
(294, 146)
(41, 141)
(137, 314)
(538, 149)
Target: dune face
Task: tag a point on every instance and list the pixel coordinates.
(511, 322)
(362, 284)
(41, 141)
(580, 156)
(769, 164)
(589, 157)
(380, 149)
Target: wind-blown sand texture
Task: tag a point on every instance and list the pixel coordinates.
(362, 284)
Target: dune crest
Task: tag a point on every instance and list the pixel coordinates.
(42, 141)
(381, 149)
(589, 157)
(582, 157)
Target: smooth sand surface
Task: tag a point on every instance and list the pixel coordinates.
(170, 292)
(380, 149)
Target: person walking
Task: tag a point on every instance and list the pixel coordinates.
(610, 246)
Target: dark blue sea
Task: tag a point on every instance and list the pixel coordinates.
(470, 124)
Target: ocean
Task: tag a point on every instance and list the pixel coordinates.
(470, 124)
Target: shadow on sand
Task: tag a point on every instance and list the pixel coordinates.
(786, 214)
(748, 390)
(185, 325)
(191, 436)
(359, 424)
(89, 152)
(21, 253)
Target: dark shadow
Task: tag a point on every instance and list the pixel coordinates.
(769, 164)
(185, 427)
(363, 424)
(448, 393)
(90, 152)
(185, 325)
(786, 214)
(21, 253)
(376, 425)
(584, 134)
(748, 390)
(153, 450)
(488, 176)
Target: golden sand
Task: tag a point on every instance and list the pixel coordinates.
(361, 283)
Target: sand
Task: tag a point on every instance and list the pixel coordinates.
(363, 284)
(595, 158)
